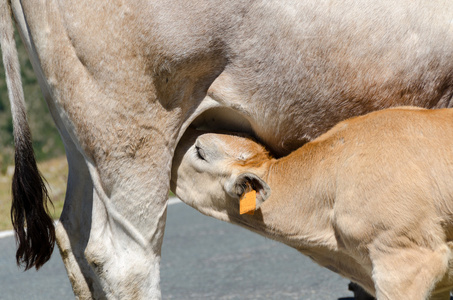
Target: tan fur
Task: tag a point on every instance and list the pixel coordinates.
(371, 199)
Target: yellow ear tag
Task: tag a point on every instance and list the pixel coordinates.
(247, 203)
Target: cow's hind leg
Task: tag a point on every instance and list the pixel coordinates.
(105, 255)
(409, 273)
(73, 230)
(127, 229)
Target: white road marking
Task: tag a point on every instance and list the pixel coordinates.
(174, 200)
(7, 233)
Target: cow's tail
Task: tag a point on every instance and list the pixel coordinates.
(29, 206)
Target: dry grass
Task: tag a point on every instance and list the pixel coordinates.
(56, 173)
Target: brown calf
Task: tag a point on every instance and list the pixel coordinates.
(371, 199)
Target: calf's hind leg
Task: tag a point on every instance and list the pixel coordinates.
(409, 272)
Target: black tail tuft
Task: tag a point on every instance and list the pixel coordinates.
(29, 207)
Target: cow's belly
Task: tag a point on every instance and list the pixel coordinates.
(285, 124)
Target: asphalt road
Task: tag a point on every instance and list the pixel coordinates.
(202, 258)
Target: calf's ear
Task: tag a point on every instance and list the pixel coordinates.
(236, 186)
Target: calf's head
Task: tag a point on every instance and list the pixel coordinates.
(211, 171)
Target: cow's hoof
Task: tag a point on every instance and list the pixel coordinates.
(359, 293)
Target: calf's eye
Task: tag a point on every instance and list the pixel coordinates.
(200, 153)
